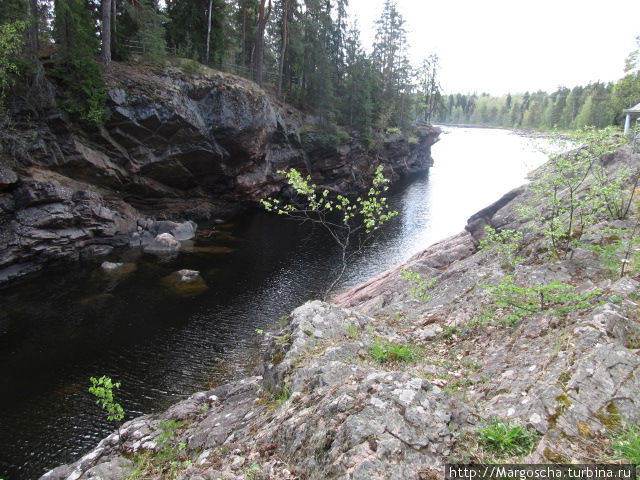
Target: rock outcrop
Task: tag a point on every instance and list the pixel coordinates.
(321, 405)
(175, 146)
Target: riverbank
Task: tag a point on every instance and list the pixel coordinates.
(329, 403)
(177, 145)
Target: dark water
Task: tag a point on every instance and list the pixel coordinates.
(64, 326)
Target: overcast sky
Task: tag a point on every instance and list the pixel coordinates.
(500, 46)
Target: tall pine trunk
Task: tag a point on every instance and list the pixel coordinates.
(106, 32)
(285, 41)
(258, 53)
(206, 56)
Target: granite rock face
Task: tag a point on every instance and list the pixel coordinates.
(175, 147)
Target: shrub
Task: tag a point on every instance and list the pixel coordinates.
(564, 200)
(618, 252)
(102, 388)
(520, 302)
(505, 243)
(419, 286)
(351, 223)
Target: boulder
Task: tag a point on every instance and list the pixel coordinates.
(111, 266)
(165, 242)
(186, 283)
(8, 177)
(188, 275)
(185, 231)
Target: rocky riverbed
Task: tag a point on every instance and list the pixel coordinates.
(176, 146)
(324, 405)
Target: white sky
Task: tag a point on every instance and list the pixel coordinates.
(500, 46)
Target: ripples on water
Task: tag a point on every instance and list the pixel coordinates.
(65, 326)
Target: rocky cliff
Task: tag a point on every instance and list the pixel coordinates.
(327, 404)
(176, 145)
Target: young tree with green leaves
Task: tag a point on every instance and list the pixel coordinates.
(565, 203)
(102, 388)
(351, 223)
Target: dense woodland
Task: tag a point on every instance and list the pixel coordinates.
(597, 104)
(307, 52)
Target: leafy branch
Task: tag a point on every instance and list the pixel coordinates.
(351, 223)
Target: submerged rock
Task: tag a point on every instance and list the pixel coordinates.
(163, 243)
(111, 266)
(188, 275)
(186, 283)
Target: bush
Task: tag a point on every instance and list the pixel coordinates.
(102, 389)
(564, 200)
(419, 286)
(520, 302)
(505, 243)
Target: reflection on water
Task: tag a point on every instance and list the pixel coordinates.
(63, 327)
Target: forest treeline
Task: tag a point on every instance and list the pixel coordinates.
(596, 104)
(307, 52)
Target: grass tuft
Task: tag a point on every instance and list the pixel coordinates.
(389, 352)
(506, 440)
(626, 445)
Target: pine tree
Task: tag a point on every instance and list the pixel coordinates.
(390, 57)
(76, 68)
(428, 87)
(148, 28)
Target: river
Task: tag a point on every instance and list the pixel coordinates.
(66, 325)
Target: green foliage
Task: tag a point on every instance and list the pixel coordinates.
(277, 397)
(372, 209)
(350, 223)
(596, 104)
(254, 472)
(102, 388)
(148, 29)
(11, 44)
(564, 201)
(618, 251)
(520, 302)
(390, 352)
(507, 440)
(352, 331)
(505, 243)
(170, 460)
(168, 449)
(474, 326)
(626, 444)
(419, 286)
(76, 68)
